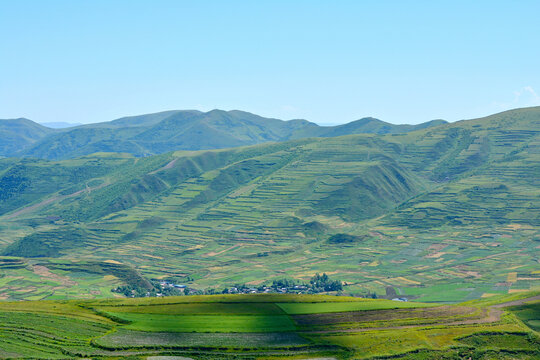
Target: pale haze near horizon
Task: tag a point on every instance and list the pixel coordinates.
(327, 62)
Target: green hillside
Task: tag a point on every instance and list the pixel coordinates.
(192, 130)
(19, 134)
(445, 213)
(270, 327)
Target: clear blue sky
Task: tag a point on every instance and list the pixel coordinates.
(325, 61)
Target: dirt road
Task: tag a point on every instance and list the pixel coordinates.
(31, 208)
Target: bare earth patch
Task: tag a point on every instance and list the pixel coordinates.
(124, 337)
(382, 315)
(46, 273)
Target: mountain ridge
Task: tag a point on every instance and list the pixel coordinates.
(20, 133)
(157, 133)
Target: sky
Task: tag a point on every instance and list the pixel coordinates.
(329, 62)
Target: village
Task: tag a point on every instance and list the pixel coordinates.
(317, 284)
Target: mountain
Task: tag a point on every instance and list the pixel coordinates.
(192, 130)
(18, 134)
(373, 126)
(446, 213)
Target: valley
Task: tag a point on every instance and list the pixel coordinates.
(269, 180)
(446, 213)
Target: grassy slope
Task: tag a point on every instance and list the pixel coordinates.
(144, 327)
(247, 214)
(18, 134)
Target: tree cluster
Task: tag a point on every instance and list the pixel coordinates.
(320, 283)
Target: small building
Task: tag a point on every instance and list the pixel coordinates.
(400, 299)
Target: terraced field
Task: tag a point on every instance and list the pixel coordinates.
(448, 213)
(268, 327)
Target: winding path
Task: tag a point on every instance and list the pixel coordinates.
(31, 208)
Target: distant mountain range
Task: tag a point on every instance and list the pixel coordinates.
(158, 133)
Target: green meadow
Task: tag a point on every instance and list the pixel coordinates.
(366, 305)
(268, 327)
(205, 323)
(202, 308)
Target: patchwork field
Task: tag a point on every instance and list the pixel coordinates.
(447, 213)
(268, 327)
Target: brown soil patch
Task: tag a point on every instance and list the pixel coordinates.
(152, 256)
(255, 282)
(511, 277)
(435, 255)
(437, 247)
(46, 273)
(398, 261)
(113, 262)
(475, 274)
(168, 166)
(382, 315)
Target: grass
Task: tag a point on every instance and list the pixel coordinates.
(206, 323)
(529, 314)
(222, 300)
(246, 327)
(393, 342)
(499, 341)
(213, 308)
(317, 308)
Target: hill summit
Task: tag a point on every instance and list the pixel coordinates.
(158, 133)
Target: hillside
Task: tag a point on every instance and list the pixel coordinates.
(19, 134)
(192, 130)
(271, 327)
(445, 213)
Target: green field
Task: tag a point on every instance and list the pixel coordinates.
(206, 323)
(256, 327)
(317, 308)
(212, 308)
(529, 314)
